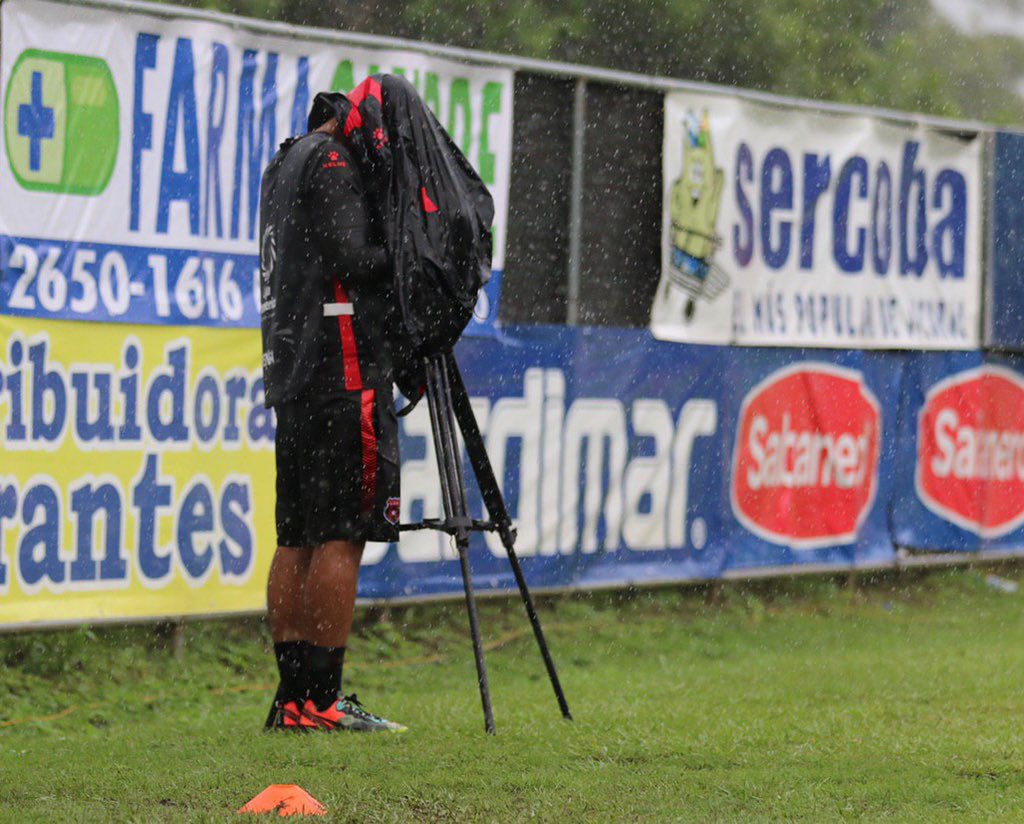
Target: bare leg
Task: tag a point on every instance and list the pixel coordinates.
(330, 593)
(285, 607)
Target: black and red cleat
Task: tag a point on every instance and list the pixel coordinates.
(288, 716)
(349, 715)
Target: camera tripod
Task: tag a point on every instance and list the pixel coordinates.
(449, 406)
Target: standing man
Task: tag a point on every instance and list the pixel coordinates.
(327, 313)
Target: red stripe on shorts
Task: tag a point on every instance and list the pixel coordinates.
(353, 377)
(369, 452)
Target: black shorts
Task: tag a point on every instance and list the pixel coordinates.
(337, 469)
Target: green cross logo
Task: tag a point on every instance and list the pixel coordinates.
(61, 122)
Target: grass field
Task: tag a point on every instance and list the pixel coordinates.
(803, 700)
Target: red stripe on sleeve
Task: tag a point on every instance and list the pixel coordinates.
(369, 435)
(349, 353)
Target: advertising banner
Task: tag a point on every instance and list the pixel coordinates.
(134, 145)
(788, 227)
(137, 456)
(626, 459)
(1005, 293)
(138, 476)
(137, 473)
(962, 447)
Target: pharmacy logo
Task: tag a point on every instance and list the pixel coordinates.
(61, 122)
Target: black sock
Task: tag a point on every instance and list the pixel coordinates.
(324, 674)
(291, 664)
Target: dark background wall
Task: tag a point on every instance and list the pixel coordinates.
(620, 257)
(621, 261)
(537, 252)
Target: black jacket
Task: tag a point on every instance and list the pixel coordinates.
(318, 249)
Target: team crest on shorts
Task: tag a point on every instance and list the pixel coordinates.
(393, 510)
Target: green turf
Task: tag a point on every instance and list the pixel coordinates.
(802, 701)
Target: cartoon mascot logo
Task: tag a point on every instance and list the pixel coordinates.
(696, 197)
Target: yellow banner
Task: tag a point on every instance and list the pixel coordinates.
(136, 471)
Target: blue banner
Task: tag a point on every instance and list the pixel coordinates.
(78, 280)
(960, 473)
(625, 459)
(1005, 299)
(64, 280)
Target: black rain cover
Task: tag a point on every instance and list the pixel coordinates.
(436, 211)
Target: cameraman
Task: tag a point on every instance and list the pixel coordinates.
(326, 312)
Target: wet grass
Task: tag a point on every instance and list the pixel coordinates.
(806, 700)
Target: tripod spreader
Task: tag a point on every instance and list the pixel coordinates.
(452, 526)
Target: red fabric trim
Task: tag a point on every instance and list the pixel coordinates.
(369, 452)
(368, 88)
(375, 90)
(358, 95)
(353, 121)
(349, 353)
(428, 205)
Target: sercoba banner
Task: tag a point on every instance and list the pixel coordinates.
(134, 145)
(788, 227)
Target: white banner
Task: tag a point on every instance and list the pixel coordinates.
(134, 145)
(784, 227)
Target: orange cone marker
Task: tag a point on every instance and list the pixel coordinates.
(284, 799)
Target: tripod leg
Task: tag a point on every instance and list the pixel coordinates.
(453, 490)
(477, 452)
(495, 503)
(474, 631)
(538, 633)
(272, 714)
